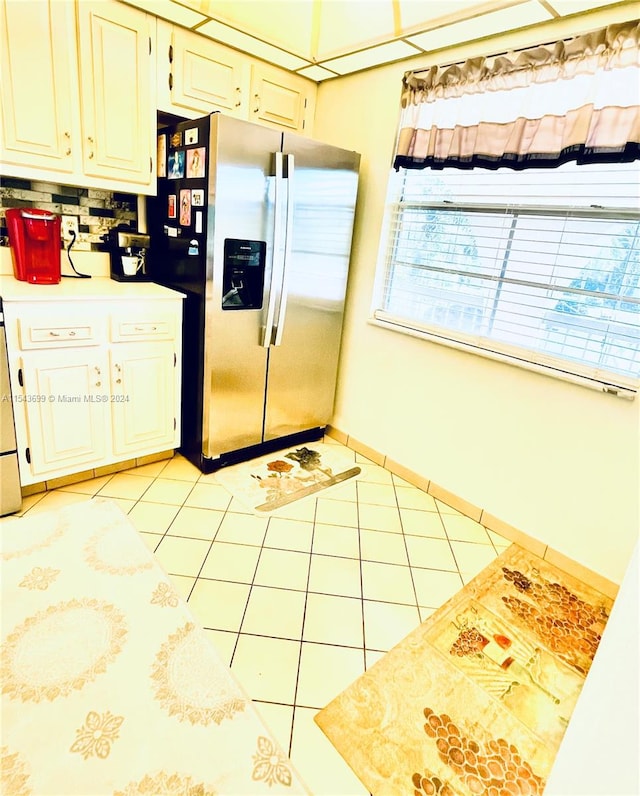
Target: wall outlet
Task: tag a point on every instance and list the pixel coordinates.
(67, 225)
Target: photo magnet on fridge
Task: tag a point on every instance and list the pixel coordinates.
(191, 136)
(195, 162)
(176, 165)
(162, 156)
(176, 139)
(197, 197)
(171, 206)
(185, 208)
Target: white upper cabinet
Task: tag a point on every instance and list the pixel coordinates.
(200, 76)
(118, 105)
(281, 99)
(78, 93)
(40, 127)
(197, 75)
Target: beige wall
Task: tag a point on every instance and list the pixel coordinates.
(556, 460)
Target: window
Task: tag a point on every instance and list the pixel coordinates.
(540, 265)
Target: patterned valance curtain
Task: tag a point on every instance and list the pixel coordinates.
(577, 99)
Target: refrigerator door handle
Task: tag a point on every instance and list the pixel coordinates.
(287, 251)
(267, 336)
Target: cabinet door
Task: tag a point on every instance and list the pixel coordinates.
(66, 400)
(281, 99)
(37, 88)
(206, 76)
(118, 104)
(143, 401)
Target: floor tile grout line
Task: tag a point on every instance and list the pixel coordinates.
(364, 623)
(444, 525)
(304, 616)
(406, 548)
(165, 534)
(362, 599)
(251, 585)
(208, 550)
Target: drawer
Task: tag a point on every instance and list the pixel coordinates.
(153, 327)
(57, 333)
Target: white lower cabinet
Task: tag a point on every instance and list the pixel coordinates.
(93, 383)
(66, 418)
(143, 407)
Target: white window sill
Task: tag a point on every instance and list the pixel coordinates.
(609, 383)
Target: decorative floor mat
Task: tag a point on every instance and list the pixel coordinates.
(270, 482)
(477, 698)
(109, 684)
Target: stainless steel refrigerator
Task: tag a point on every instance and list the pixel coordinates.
(254, 225)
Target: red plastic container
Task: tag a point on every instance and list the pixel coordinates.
(34, 237)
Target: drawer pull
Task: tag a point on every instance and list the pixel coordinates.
(143, 329)
(54, 334)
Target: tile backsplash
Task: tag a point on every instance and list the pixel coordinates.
(97, 210)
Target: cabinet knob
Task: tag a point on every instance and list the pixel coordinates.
(54, 334)
(67, 134)
(67, 151)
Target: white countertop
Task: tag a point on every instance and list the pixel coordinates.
(96, 288)
(598, 755)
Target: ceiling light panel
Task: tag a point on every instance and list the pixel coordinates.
(565, 7)
(317, 73)
(170, 11)
(374, 56)
(287, 24)
(241, 41)
(423, 16)
(346, 26)
(490, 24)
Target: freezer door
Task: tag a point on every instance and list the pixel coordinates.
(321, 183)
(241, 222)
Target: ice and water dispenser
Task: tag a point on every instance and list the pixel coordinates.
(243, 274)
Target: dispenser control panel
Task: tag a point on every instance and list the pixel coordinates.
(243, 274)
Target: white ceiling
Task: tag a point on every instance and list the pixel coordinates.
(321, 39)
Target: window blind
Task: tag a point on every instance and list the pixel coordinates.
(541, 265)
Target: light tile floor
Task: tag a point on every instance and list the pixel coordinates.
(299, 603)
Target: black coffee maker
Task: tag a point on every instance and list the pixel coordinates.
(128, 250)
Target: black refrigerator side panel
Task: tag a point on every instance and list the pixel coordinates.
(177, 216)
(177, 222)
